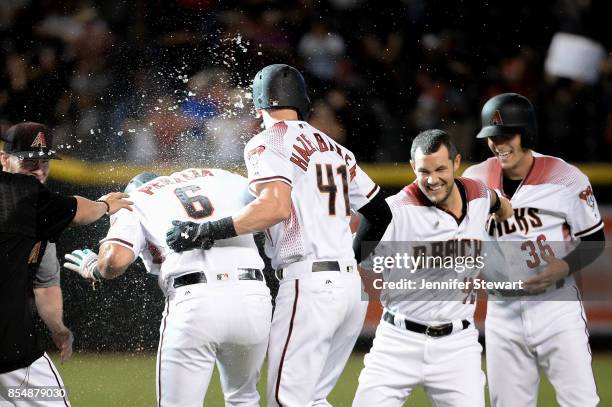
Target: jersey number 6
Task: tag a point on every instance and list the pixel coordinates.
(327, 185)
(196, 206)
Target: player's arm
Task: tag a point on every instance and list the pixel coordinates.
(112, 261)
(124, 241)
(375, 218)
(272, 205)
(500, 208)
(587, 251)
(49, 306)
(582, 216)
(90, 211)
(49, 301)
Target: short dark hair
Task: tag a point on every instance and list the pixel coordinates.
(430, 141)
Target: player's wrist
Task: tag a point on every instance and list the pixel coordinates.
(107, 206)
(223, 228)
(497, 205)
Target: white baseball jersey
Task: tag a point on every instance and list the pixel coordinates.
(553, 206)
(195, 195)
(430, 231)
(327, 183)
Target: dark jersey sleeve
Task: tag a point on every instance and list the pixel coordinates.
(376, 216)
(54, 212)
(587, 251)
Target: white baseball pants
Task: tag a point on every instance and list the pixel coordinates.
(220, 322)
(449, 368)
(41, 375)
(317, 320)
(524, 336)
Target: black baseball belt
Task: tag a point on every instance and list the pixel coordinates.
(435, 331)
(199, 277)
(316, 267)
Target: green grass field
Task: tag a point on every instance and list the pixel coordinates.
(122, 380)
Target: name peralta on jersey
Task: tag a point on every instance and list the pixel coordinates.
(553, 206)
(195, 195)
(426, 232)
(326, 184)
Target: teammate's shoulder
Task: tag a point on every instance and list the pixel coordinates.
(474, 188)
(272, 137)
(410, 195)
(480, 170)
(548, 169)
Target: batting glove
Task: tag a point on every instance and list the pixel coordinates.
(189, 235)
(84, 262)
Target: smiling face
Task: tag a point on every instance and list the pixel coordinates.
(435, 174)
(509, 152)
(36, 168)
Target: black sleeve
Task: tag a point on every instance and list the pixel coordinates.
(54, 212)
(589, 249)
(376, 216)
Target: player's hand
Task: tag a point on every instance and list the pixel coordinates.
(505, 210)
(63, 339)
(554, 271)
(117, 201)
(83, 262)
(189, 235)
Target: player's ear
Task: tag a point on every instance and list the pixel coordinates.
(456, 162)
(4, 159)
(412, 165)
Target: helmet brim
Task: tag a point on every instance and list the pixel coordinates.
(492, 131)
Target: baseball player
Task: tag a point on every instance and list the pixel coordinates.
(544, 325)
(29, 212)
(24, 140)
(218, 307)
(427, 335)
(306, 186)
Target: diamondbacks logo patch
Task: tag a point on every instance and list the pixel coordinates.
(254, 154)
(40, 141)
(496, 119)
(588, 197)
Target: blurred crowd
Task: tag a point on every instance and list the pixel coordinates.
(152, 81)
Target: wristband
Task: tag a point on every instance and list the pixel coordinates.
(223, 228)
(96, 275)
(497, 204)
(107, 213)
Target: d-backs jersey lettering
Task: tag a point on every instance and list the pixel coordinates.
(553, 206)
(424, 230)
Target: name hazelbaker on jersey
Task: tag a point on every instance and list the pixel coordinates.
(553, 206)
(419, 228)
(326, 185)
(196, 195)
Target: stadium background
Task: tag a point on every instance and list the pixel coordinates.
(163, 85)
